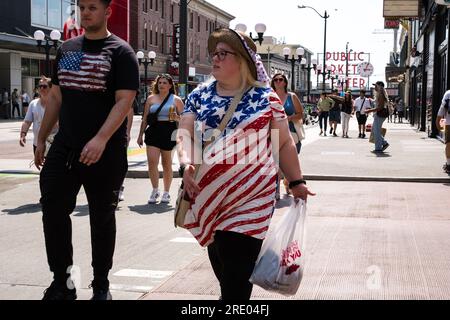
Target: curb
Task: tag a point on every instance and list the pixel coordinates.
(140, 174)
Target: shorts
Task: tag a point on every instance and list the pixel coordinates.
(335, 116)
(447, 134)
(160, 135)
(362, 119)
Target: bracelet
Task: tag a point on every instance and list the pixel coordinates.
(296, 183)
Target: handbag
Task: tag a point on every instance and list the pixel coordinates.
(372, 138)
(152, 117)
(183, 202)
(280, 263)
(299, 133)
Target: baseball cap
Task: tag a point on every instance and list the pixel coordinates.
(380, 83)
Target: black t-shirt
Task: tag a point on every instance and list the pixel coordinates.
(89, 72)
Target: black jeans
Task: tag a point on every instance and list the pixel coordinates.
(323, 116)
(60, 181)
(233, 256)
(14, 107)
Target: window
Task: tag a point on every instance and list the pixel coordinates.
(198, 23)
(30, 67)
(163, 42)
(151, 4)
(191, 20)
(156, 5)
(151, 35)
(145, 40)
(206, 25)
(145, 5)
(162, 9)
(52, 13)
(171, 12)
(156, 36)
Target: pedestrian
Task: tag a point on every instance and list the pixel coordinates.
(96, 78)
(381, 113)
(164, 106)
(444, 113)
(324, 105)
(6, 104)
(36, 93)
(25, 102)
(35, 114)
(362, 103)
(129, 125)
(400, 109)
(234, 190)
(294, 111)
(347, 110)
(335, 112)
(15, 100)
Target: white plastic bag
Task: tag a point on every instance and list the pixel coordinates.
(279, 266)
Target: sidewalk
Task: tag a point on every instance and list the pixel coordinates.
(322, 158)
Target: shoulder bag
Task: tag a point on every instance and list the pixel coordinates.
(152, 117)
(183, 202)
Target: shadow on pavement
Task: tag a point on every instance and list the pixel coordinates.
(25, 209)
(381, 154)
(151, 208)
(81, 211)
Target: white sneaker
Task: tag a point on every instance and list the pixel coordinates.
(154, 196)
(165, 197)
(121, 197)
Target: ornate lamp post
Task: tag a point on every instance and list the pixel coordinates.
(46, 42)
(260, 28)
(287, 52)
(325, 16)
(311, 65)
(146, 62)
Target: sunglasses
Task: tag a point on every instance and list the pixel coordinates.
(43, 86)
(278, 79)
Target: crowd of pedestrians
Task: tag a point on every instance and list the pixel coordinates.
(232, 194)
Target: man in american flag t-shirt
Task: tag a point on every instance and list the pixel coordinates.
(96, 78)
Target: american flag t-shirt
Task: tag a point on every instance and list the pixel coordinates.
(78, 70)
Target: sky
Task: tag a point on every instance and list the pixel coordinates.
(358, 22)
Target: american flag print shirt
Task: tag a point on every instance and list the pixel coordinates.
(238, 174)
(82, 71)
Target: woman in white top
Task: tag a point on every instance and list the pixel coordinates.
(35, 113)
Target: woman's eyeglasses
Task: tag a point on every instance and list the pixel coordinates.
(278, 80)
(43, 86)
(221, 54)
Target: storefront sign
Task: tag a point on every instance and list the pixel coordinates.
(401, 8)
(391, 23)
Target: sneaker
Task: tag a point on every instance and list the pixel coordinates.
(165, 197)
(385, 146)
(331, 130)
(57, 291)
(334, 134)
(446, 168)
(321, 132)
(100, 291)
(154, 196)
(363, 135)
(121, 197)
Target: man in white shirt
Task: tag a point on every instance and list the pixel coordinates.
(362, 103)
(444, 113)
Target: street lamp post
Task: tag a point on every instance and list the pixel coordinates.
(287, 52)
(346, 65)
(325, 16)
(310, 66)
(146, 62)
(46, 42)
(319, 71)
(260, 28)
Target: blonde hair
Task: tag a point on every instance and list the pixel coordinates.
(247, 79)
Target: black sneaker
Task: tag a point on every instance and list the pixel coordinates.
(331, 130)
(100, 290)
(363, 135)
(334, 134)
(385, 146)
(57, 291)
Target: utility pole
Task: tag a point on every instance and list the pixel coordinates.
(182, 77)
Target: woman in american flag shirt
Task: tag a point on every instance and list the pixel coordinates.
(234, 191)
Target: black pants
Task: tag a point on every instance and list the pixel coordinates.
(14, 107)
(60, 181)
(323, 116)
(233, 256)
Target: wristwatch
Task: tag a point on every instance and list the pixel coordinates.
(296, 183)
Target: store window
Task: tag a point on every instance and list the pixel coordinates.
(30, 67)
(51, 13)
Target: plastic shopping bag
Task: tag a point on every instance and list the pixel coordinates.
(279, 266)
